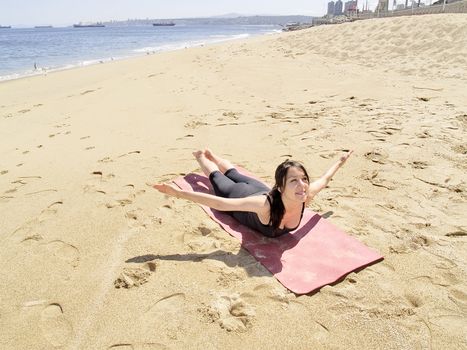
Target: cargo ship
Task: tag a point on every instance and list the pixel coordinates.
(89, 25)
(5, 27)
(163, 24)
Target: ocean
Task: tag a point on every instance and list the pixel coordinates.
(31, 51)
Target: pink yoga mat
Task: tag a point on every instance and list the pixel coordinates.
(315, 254)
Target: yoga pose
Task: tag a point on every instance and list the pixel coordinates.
(272, 212)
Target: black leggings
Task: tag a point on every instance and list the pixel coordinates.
(232, 184)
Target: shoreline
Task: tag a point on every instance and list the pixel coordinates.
(135, 53)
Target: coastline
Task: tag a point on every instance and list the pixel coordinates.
(81, 148)
(134, 52)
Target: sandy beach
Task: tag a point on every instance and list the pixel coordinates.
(91, 257)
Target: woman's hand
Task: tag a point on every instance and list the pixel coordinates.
(344, 157)
(168, 189)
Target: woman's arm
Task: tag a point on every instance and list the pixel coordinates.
(256, 204)
(323, 181)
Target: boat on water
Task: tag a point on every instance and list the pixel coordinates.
(41, 27)
(88, 25)
(5, 27)
(163, 24)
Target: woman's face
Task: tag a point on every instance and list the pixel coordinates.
(296, 185)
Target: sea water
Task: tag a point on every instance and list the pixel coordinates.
(31, 51)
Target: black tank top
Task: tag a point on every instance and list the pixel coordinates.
(251, 220)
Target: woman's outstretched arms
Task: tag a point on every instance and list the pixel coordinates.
(323, 181)
(256, 204)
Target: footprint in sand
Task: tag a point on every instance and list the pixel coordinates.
(420, 241)
(105, 160)
(125, 197)
(24, 180)
(281, 295)
(424, 134)
(459, 297)
(328, 155)
(48, 212)
(161, 214)
(88, 91)
(25, 233)
(376, 180)
(133, 215)
(137, 219)
(231, 312)
(461, 148)
(135, 276)
(31, 239)
(59, 126)
(184, 137)
(231, 115)
(170, 304)
(11, 190)
(419, 164)
(377, 156)
(59, 249)
(201, 239)
(457, 233)
(102, 176)
(414, 300)
(410, 244)
(228, 277)
(64, 251)
(195, 124)
(129, 153)
(54, 326)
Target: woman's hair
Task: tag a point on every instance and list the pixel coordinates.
(277, 206)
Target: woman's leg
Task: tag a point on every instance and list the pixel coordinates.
(221, 184)
(207, 166)
(232, 184)
(229, 170)
(222, 164)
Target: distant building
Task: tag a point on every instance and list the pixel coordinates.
(350, 7)
(338, 8)
(400, 7)
(331, 8)
(383, 6)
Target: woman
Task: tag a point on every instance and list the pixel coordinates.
(272, 212)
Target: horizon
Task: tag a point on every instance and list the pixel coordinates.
(29, 13)
(224, 16)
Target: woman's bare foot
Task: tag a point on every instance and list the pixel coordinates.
(198, 154)
(211, 156)
(207, 166)
(222, 164)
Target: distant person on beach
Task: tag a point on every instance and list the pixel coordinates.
(272, 212)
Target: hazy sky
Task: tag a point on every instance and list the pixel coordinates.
(65, 12)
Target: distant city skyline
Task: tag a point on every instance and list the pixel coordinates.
(67, 12)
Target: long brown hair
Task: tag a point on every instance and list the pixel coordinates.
(277, 206)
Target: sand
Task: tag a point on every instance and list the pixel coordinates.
(91, 257)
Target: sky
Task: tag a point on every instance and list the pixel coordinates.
(66, 12)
